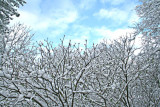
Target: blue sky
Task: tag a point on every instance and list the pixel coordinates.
(79, 20)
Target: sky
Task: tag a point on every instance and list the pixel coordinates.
(78, 20)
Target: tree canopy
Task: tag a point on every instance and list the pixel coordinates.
(149, 12)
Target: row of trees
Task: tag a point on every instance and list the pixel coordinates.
(103, 75)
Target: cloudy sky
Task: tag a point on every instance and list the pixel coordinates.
(79, 20)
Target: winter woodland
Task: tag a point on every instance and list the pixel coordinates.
(105, 75)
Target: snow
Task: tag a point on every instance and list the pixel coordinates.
(113, 86)
(1, 74)
(20, 97)
(84, 91)
(69, 67)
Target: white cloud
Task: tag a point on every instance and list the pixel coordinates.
(133, 18)
(109, 35)
(87, 4)
(80, 30)
(115, 34)
(113, 2)
(55, 18)
(81, 33)
(113, 13)
(63, 16)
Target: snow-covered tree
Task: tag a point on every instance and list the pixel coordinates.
(147, 86)
(148, 64)
(103, 75)
(8, 8)
(17, 61)
(149, 13)
(59, 76)
(113, 74)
